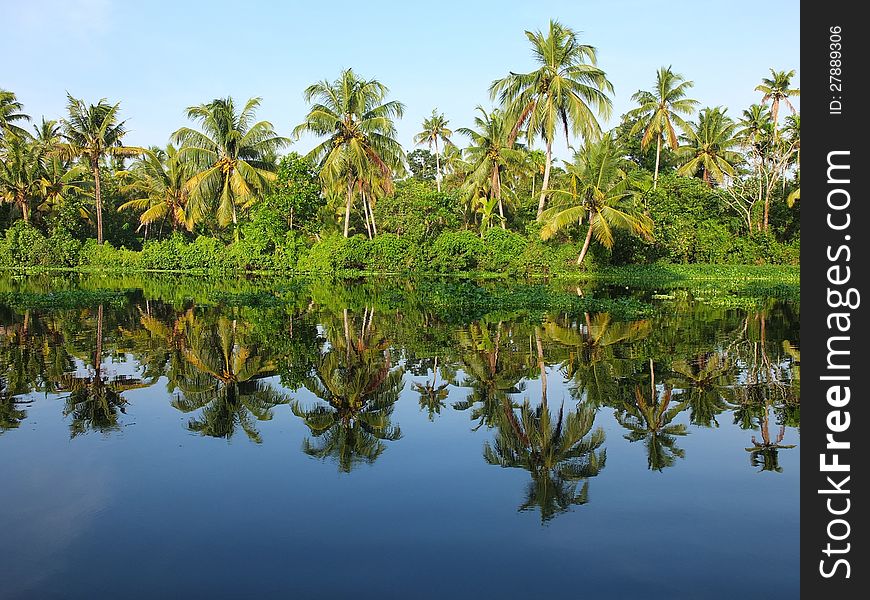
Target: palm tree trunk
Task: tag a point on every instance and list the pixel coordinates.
(372, 216)
(25, 209)
(98, 354)
(347, 206)
(498, 196)
(99, 201)
(585, 243)
(658, 156)
(366, 215)
(437, 168)
(547, 165)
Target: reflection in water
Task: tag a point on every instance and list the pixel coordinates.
(648, 416)
(220, 377)
(358, 385)
(558, 454)
(685, 365)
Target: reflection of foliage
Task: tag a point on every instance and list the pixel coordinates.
(558, 454)
(95, 402)
(221, 378)
(705, 379)
(650, 419)
(360, 390)
(765, 454)
(11, 413)
(432, 395)
(490, 374)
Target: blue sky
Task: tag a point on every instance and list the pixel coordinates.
(159, 57)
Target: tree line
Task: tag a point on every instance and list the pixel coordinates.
(225, 170)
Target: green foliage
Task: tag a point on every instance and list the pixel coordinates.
(457, 252)
(417, 211)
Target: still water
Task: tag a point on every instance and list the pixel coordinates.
(337, 442)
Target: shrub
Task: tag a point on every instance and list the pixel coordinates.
(391, 253)
(503, 249)
(457, 252)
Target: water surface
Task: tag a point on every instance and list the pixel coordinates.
(339, 441)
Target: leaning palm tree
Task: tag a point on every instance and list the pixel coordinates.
(492, 152)
(603, 191)
(230, 159)
(709, 147)
(10, 111)
(357, 122)
(434, 130)
(777, 88)
(93, 132)
(567, 89)
(660, 108)
(158, 182)
(19, 173)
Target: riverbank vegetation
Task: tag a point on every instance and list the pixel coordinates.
(673, 182)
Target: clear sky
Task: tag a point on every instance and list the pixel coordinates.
(158, 57)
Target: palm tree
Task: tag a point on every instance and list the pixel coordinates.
(567, 88)
(435, 129)
(20, 173)
(777, 88)
(558, 454)
(493, 151)
(10, 111)
(159, 181)
(659, 110)
(603, 192)
(432, 395)
(59, 181)
(357, 122)
(93, 132)
(230, 158)
(709, 147)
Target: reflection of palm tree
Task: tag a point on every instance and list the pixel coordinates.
(432, 395)
(11, 413)
(590, 361)
(765, 454)
(223, 381)
(557, 453)
(490, 379)
(94, 400)
(360, 390)
(705, 379)
(650, 420)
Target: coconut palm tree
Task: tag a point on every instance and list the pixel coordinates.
(358, 125)
(93, 132)
(432, 395)
(661, 108)
(20, 171)
(603, 192)
(492, 152)
(10, 111)
(59, 182)
(709, 147)
(434, 130)
(777, 88)
(558, 454)
(566, 89)
(230, 157)
(158, 182)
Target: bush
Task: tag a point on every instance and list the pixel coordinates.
(391, 253)
(503, 249)
(457, 252)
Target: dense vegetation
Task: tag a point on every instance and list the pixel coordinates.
(671, 183)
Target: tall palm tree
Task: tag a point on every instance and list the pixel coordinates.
(20, 170)
(660, 108)
(603, 192)
(567, 88)
(709, 147)
(777, 88)
(59, 181)
(434, 130)
(493, 150)
(10, 111)
(358, 125)
(230, 158)
(93, 132)
(159, 183)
